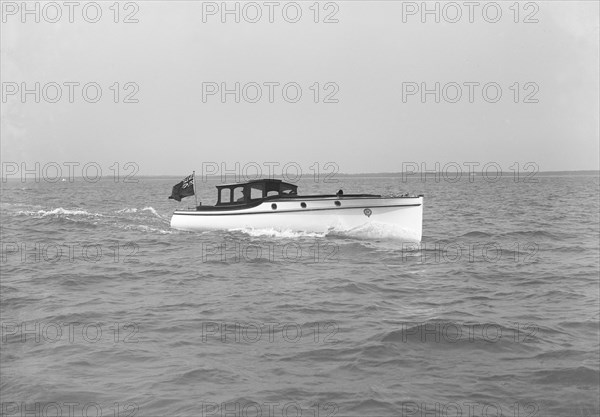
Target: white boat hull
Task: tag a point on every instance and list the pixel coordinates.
(403, 214)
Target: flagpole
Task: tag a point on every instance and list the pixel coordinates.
(195, 196)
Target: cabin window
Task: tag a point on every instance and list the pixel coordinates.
(238, 195)
(256, 193)
(288, 189)
(272, 192)
(225, 196)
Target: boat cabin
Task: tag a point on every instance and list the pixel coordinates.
(252, 191)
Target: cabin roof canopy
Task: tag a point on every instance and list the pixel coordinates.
(268, 184)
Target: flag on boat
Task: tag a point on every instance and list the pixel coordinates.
(183, 189)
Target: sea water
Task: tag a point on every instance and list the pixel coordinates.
(108, 311)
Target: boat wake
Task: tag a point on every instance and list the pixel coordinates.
(57, 212)
(127, 210)
(153, 211)
(375, 230)
(370, 231)
(283, 234)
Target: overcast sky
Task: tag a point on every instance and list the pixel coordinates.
(370, 57)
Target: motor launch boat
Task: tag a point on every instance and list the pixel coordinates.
(274, 204)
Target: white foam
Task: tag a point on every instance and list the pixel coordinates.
(127, 210)
(57, 212)
(375, 230)
(153, 211)
(288, 234)
(149, 229)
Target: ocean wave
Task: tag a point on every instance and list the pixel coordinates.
(580, 376)
(532, 234)
(482, 335)
(478, 234)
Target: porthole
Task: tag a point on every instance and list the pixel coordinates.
(303, 205)
(337, 203)
(274, 206)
